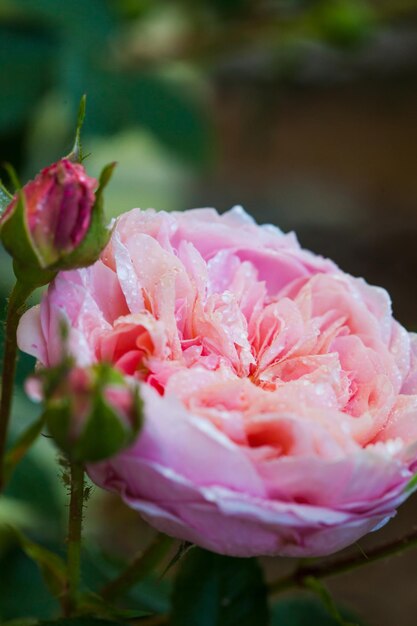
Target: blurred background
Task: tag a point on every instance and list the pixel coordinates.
(302, 111)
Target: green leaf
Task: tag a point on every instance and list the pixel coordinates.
(52, 567)
(303, 610)
(35, 482)
(151, 595)
(81, 621)
(92, 604)
(23, 621)
(15, 514)
(23, 592)
(22, 445)
(215, 590)
(323, 593)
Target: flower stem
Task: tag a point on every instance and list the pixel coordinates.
(326, 570)
(74, 538)
(15, 309)
(139, 568)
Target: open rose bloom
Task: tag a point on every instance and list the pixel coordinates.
(279, 392)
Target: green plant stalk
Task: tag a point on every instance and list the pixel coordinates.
(15, 309)
(75, 520)
(334, 568)
(139, 568)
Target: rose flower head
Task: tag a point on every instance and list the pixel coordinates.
(55, 221)
(92, 413)
(279, 393)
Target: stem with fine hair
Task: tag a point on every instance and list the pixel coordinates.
(326, 570)
(139, 568)
(15, 309)
(75, 520)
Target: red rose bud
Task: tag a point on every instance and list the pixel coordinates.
(56, 221)
(92, 413)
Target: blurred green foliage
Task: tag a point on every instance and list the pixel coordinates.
(76, 47)
(144, 63)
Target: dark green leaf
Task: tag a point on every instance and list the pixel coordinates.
(24, 621)
(150, 595)
(81, 621)
(50, 564)
(324, 595)
(22, 445)
(303, 610)
(92, 604)
(22, 590)
(35, 482)
(214, 590)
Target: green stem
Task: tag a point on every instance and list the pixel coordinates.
(139, 568)
(75, 520)
(15, 309)
(326, 570)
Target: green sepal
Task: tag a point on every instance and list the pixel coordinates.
(76, 154)
(15, 236)
(104, 433)
(98, 233)
(57, 416)
(411, 485)
(32, 276)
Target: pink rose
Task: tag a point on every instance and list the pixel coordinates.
(280, 393)
(57, 212)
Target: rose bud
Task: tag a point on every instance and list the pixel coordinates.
(55, 222)
(91, 413)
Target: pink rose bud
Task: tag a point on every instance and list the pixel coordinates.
(47, 224)
(92, 413)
